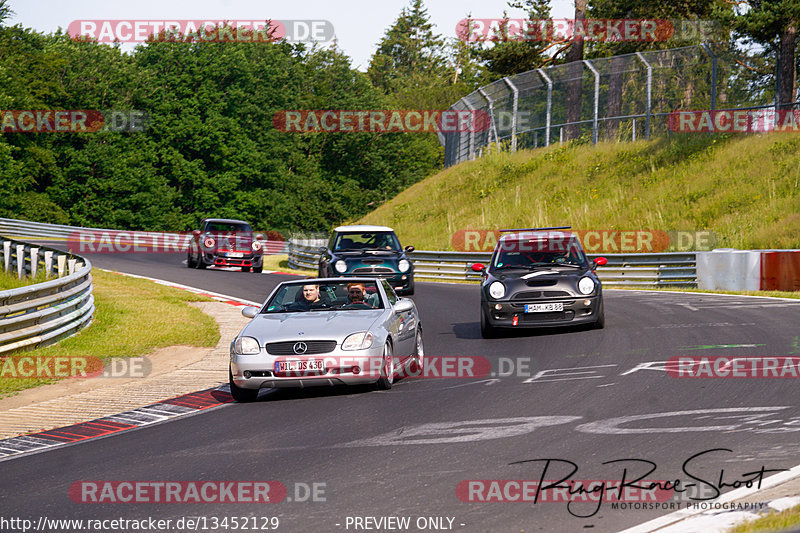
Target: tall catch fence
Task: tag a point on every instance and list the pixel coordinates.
(625, 97)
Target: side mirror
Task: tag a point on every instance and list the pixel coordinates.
(249, 311)
(259, 237)
(478, 267)
(196, 233)
(322, 249)
(409, 249)
(403, 306)
(600, 261)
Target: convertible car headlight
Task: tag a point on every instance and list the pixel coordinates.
(256, 246)
(403, 265)
(340, 266)
(586, 285)
(358, 341)
(246, 346)
(497, 290)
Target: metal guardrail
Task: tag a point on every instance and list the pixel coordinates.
(622, 270)
(43, 313)
(42, 230)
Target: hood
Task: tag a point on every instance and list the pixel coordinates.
(311, 325)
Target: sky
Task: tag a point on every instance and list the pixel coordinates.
(358, 24)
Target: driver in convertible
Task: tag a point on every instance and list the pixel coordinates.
(355, 295)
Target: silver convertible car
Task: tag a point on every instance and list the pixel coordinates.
(328, 331)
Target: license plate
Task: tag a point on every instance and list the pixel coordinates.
(543, 308)
(235, 254)
(298, 366)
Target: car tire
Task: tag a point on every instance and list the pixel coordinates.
(200, 265)
(239, 394)
(417, 365)
(387, 369)
(259, 269)
(190, 263)
(410, 290)
(487, 330)
(600, 323)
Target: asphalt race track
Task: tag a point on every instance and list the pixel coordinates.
(585, 396)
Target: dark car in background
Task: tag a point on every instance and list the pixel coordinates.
(539, 277)
(368, 251)
(225, 242)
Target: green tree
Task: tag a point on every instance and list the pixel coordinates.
(774, 24)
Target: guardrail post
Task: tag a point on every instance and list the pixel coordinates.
(34, 261)
(649, 110)
(595, 124)
(548, 115)
(6, 255)
(514, 107)
(62, 264)
(48, 263)
(20, 260)
(71, 266)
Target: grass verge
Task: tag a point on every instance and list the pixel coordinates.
(9, 280)
(783, 521)
(281, 262)
(133, 317)
(743, 189)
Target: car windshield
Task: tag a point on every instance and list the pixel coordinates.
(227, 227)
(376, 240)
(330, 296)
(533, 253)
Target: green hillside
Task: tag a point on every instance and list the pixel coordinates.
(746, 190)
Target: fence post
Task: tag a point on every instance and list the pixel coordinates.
(649, 109)
(596, 99)
(20, 260)
(549, 108)
(48, 263)
(494, 126)
(514, 114)
(471, 133)
(34, 261)
(634, 130)
(713, 75)
(62, 264)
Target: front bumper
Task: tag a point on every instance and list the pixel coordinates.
(398, 281)
(222, 259)
(339, 369)
(575, 312)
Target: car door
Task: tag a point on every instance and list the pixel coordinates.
(404, 325)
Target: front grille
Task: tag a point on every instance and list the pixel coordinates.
(287, 348)
(373, 270)
(555, 294)
(527, 295)
(540, 282)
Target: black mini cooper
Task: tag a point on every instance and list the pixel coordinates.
(539, 277)
(371, 251)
